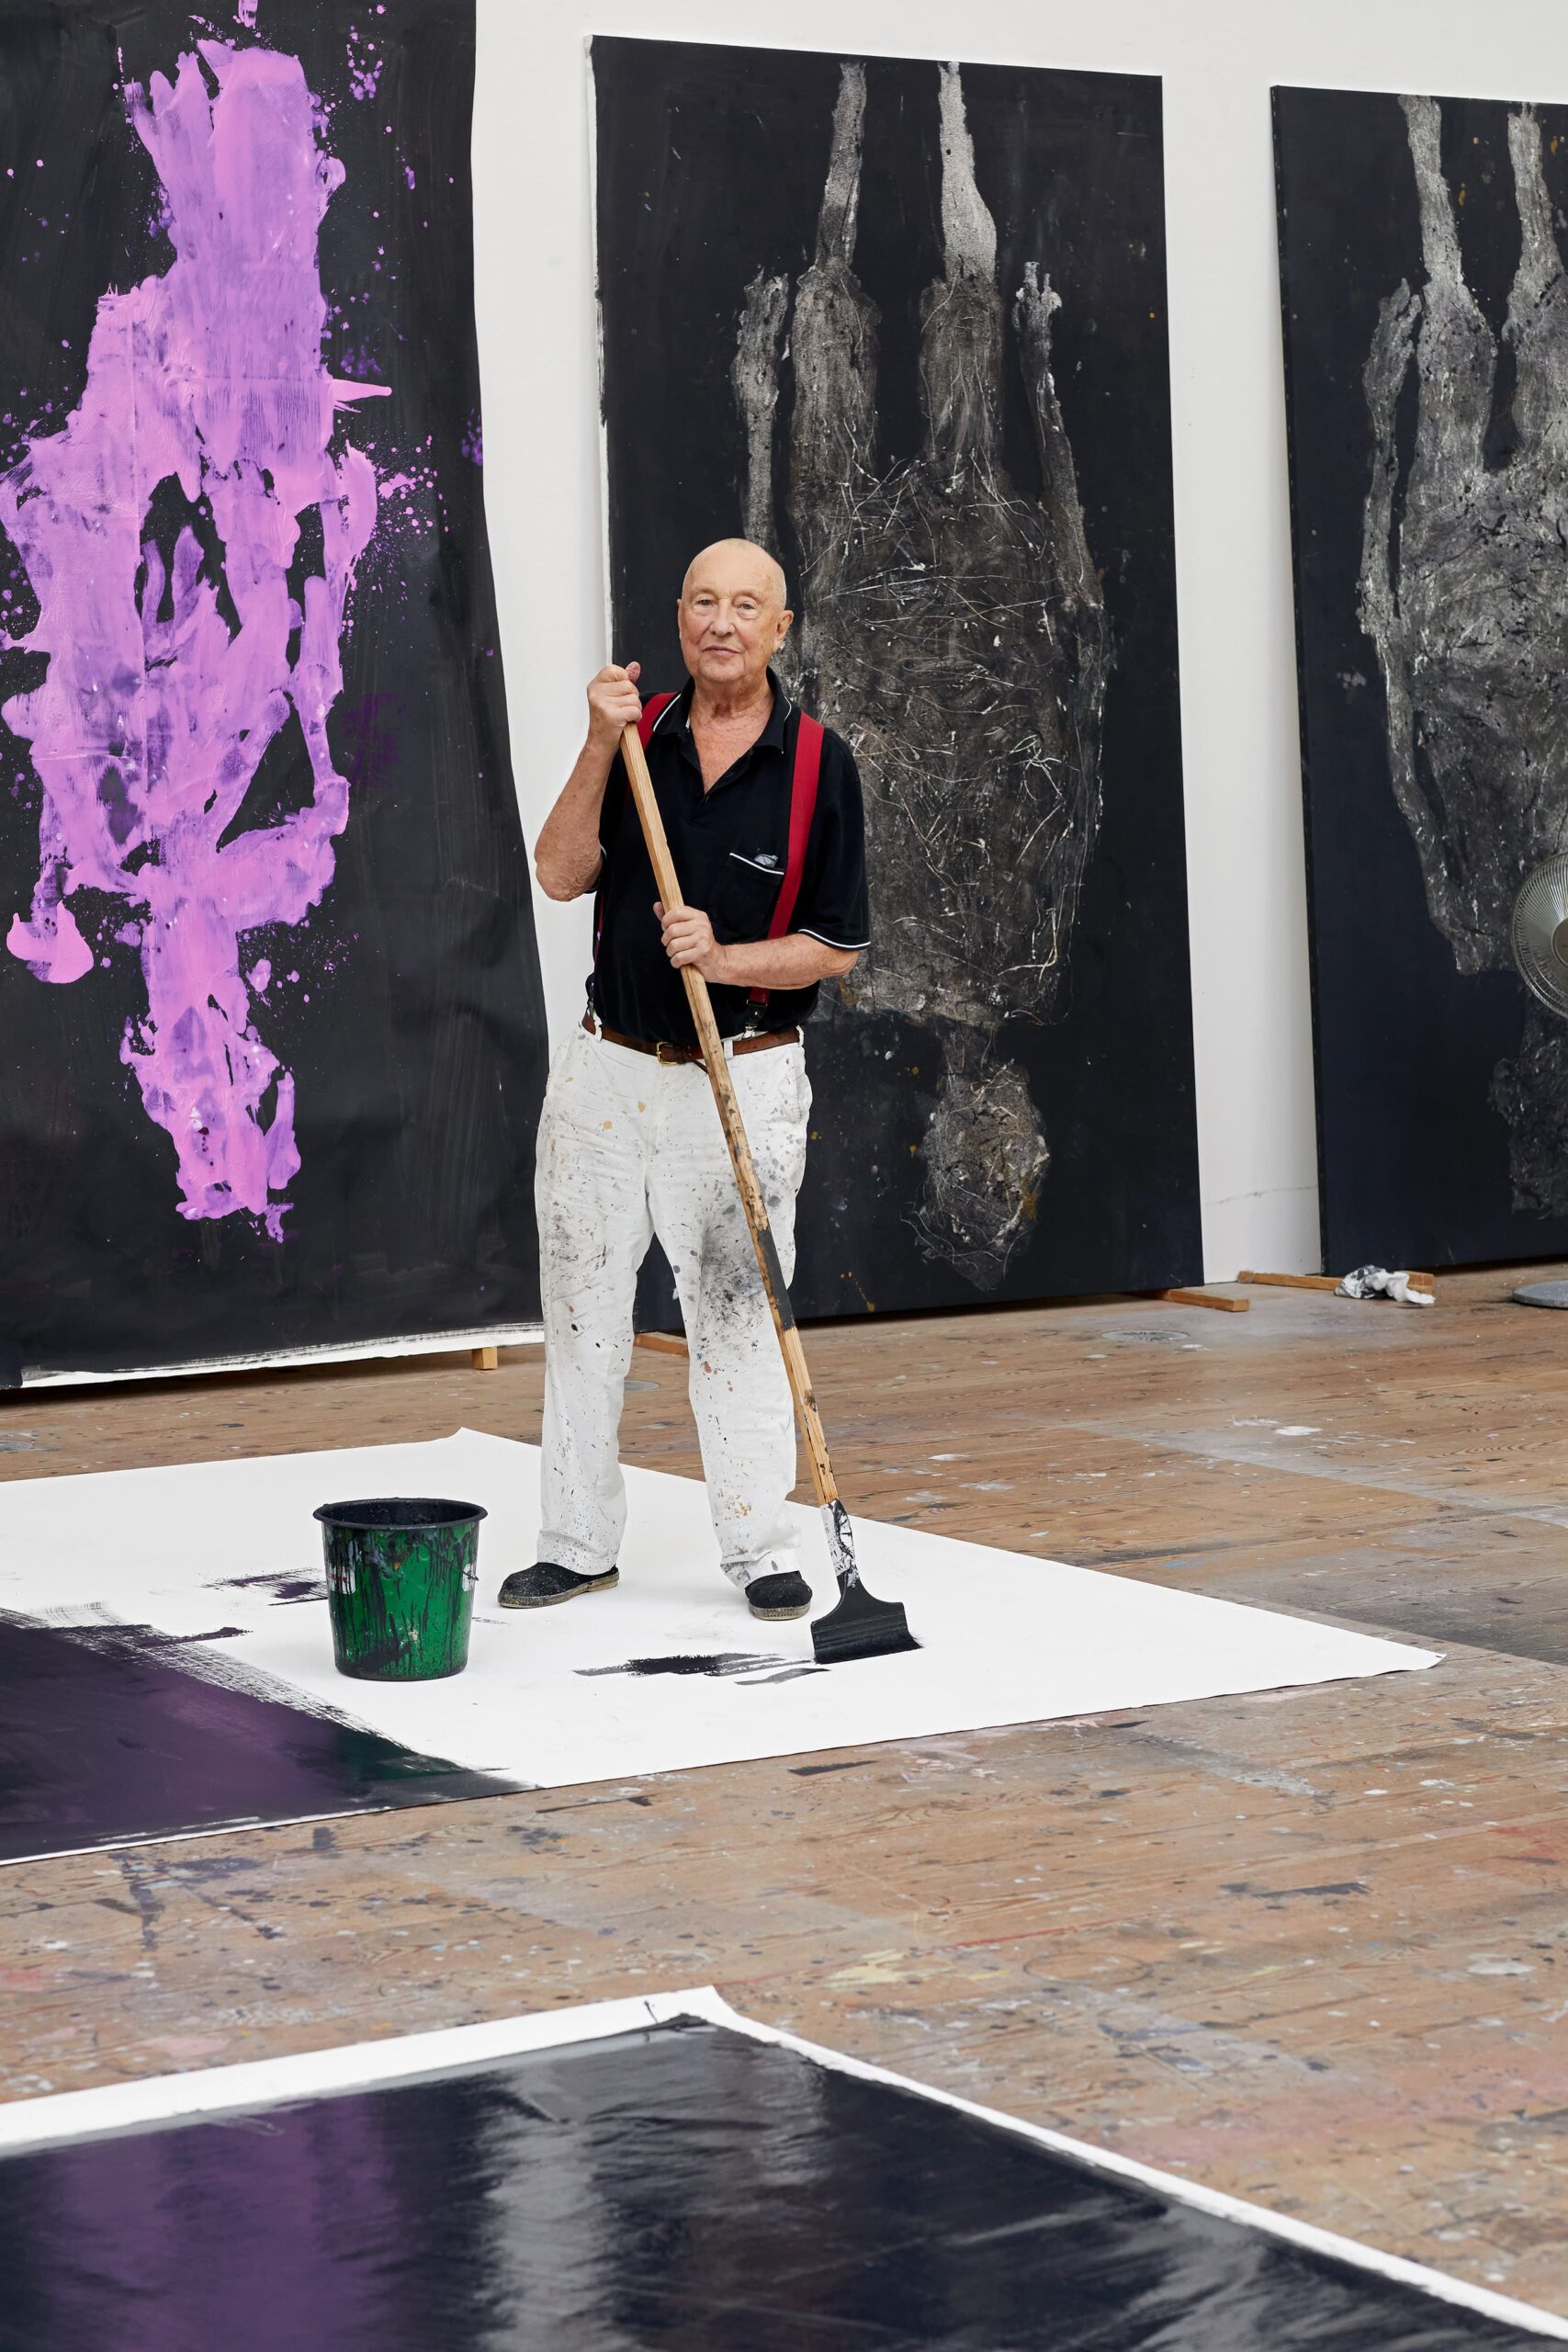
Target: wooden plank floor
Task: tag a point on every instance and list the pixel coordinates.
(1310, 1946)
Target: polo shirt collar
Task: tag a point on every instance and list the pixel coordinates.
(772, 738)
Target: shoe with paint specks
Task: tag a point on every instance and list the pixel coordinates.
(788, 1595)
(542, 1586)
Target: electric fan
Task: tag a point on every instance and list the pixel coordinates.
(1537, 933)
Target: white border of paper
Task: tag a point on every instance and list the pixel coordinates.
(432, 1343)
(69, 2115)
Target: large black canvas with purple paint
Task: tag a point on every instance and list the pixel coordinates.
(906, 322)
(269, 1002)
(682, 2185)
(115, 1733)
(1426, 317)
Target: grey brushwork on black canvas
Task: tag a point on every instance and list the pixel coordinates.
(954, 631)
(1464, 592)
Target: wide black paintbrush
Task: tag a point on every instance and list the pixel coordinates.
(860, 1626)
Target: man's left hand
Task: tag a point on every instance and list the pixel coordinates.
(689, 941)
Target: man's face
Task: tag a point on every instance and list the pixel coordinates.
(732, 617)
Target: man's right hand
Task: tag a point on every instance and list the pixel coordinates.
(614, 702)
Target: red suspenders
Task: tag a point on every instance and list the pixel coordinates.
(803, 783)
(805, 777)
(653, 710)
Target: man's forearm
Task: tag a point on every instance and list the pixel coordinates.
(793, 962)
(566, 855)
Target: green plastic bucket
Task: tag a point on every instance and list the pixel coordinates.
(400, 1578)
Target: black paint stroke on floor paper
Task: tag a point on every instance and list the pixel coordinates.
(906, 323)
(685, 2186)
(367, 1000)
(110, 1733)
(1427, 367)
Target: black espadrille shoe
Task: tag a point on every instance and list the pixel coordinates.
(542, 1586)
(787, 1595)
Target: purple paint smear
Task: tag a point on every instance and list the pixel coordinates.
(157, 709)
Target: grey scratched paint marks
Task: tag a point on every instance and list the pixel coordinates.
(954, 631)
(1464, 592)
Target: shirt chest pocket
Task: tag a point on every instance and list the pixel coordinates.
(752, 881)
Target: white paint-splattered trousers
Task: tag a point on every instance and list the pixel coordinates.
(630, 1146)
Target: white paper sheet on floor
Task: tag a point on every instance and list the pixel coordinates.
(1007, 1638)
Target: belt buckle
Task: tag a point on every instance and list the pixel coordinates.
(668, 1054)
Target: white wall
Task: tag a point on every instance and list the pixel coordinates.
(1218, 59)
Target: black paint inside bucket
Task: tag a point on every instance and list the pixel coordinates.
(398, 1510)
(685, 2186)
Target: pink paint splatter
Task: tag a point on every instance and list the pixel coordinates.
(364, 65)
(167, 684)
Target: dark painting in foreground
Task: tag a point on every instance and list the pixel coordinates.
(906, 322)
(269, 1003)
(1427, 367)
(685, 2186)
(114, 1733)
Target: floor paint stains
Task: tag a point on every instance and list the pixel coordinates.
(683, 2185)
(118, 1732)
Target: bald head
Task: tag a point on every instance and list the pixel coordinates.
(733, 618)
(734, 564)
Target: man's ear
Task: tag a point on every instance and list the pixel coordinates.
(785, 620)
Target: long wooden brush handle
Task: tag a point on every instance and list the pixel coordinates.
(723, 1085)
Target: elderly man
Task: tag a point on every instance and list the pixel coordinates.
(762, 810)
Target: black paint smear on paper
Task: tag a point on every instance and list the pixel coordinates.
(711, 169)
(110, 1733)
(683, 2186)
(718, 1663)
(419, 1059)
(1441, 1113)
(283, 1586)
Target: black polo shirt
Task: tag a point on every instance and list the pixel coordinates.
(730, 848)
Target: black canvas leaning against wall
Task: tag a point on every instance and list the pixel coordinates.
(906, 322)
(271, 1025)
(1426, 374)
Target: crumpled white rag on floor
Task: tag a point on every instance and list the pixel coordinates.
(1376, 1281)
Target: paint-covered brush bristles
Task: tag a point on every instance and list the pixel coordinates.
(860, 1626)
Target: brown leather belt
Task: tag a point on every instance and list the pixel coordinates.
(666, 1053)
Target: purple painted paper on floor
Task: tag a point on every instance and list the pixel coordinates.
(168, 683)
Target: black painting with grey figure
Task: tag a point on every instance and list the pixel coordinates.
(905, 323)
(1427, 352)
